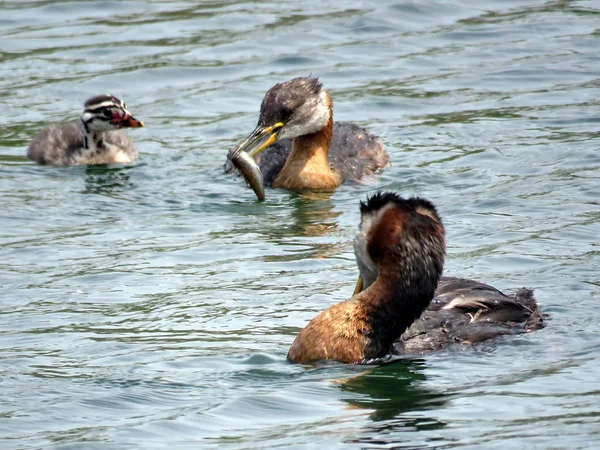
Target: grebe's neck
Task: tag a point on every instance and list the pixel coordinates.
(307, 167)
(392, 303)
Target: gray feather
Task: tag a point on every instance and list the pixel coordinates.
(62, 144)
(467, 311)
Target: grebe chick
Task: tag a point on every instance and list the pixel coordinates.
(321, 154)
(404, 240)
(94, 139)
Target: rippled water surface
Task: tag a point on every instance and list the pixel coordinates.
(152, 305)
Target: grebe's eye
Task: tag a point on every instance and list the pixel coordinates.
(107, 113)
(286, 113)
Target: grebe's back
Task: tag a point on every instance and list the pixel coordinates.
(466, 312)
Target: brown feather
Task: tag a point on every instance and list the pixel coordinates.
(408, 248)
(307, 167)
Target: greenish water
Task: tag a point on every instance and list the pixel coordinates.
(151, 306)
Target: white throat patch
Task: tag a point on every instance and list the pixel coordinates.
(317, 119)
(366, 266)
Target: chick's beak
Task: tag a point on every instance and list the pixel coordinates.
(127, 120)
(131, 122)
(260, 139)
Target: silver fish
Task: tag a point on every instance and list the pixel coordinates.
(246, 165)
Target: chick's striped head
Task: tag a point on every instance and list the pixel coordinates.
(106, 112)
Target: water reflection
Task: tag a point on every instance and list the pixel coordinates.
(396, 394)
(313, 214)
(307, 215)
(392, 389)
(106, 180)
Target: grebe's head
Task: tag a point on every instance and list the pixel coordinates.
(289, 109)
(106, 112)
(402, 235)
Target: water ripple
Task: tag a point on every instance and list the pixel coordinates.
(152, 305)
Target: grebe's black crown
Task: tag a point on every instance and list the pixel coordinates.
(102, 101)
(283, 99)
(381, 199)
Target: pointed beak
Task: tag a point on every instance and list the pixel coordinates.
(260, 139)
(124, 119)
(131, 122)
(359, 286)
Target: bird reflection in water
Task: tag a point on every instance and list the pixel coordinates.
(313, 215)
(397, 396)
(105, 180)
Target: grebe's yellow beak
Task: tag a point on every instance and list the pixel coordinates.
(260, 139)
(359, 286)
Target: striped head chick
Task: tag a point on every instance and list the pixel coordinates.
(104, 113)
(96, 138)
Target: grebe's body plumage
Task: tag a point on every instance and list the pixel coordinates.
(402, 304)
(62, 145)
(298, 146)
(467, 312)
(94, 139)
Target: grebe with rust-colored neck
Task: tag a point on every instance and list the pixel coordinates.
(463, 311)
(298, 146)
(400, 251)
(405, 240)
(95, 139)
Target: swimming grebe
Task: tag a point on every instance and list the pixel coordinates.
(405, 241)
(400, 256)
(94, 139)
(321, 154)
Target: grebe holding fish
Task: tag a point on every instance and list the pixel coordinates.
(297, 146)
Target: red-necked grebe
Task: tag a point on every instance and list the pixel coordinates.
(94, 139)
(400, 251)
(297, 145)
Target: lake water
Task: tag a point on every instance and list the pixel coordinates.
(151, 306)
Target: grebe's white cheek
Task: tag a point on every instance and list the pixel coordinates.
(102, 125)
(313, 116)
(287, 132)
(366, 266)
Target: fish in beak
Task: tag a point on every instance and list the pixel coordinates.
(243, 156)
(246, 165)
